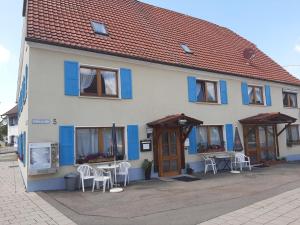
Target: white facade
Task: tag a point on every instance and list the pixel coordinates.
(158, 91)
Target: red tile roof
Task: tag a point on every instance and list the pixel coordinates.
(145, 32)
(12, 111)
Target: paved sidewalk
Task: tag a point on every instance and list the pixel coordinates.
(282, 209)
(20, 207)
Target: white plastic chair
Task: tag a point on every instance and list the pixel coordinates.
(102, 176)
(123, 171)
(241, 160)
(210, 162)
(86, 173)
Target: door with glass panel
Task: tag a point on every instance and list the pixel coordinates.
(169, 153)
(267, 145)
(260, 143)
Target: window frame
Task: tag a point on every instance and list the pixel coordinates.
(99, 83)
(221, 133)
(94, 23)
(289, 102)
(215, 83)
(289, 135)
(99, 143)
(254, 93)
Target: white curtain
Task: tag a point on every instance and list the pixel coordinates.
(215, 138)
(109, 78)
(202, 136)
(87, 142)
(86, 78)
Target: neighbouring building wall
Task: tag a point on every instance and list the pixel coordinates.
(158, 91)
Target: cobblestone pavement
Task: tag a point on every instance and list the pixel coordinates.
(280, 210)
(20, 207)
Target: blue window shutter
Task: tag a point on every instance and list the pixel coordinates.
(21, 146)
(192, 89)
(245, 95)
(71, 78)
(193, 141)
(26, 79)
(66, 145)
(229, 136)
(24, 148)
(223, 92)
(126, 83)
(268, 95)
(133, 142)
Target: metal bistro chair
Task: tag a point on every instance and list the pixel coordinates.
(241, 160)
(123, 171)
(208, 161)
(86, 173)
(104, 177)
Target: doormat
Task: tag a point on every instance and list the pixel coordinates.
(260, 166)
(186, 178)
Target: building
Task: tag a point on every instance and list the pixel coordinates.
(12, 126)
(88, 64)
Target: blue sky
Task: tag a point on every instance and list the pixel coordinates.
(273, 25)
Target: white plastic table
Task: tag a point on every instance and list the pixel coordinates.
(112, 167)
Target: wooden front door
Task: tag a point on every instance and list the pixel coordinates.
(169, 152)
(260, 143)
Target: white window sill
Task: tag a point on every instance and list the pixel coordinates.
(99, 97)
(208, 103)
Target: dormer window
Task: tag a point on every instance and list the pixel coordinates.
(186, 48)
(99, 28)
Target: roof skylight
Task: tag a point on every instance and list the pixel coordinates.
(99, 28)
(186, 48)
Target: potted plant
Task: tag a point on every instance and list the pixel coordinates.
(189, 170)
(147, 166)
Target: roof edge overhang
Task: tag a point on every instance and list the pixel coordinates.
(29, 39)
(268, 119)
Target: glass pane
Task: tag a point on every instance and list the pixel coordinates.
(258, 93)
(202, 138)
(270, 134)
(165, 143)
(166, 166)
(211, 93)
(262, 137)
(293, 100)
(106, 132)
(200, 91)
(88, 81)
(215, 138)
(173, 144)
(251, 138)
(285, 99)
(109, 83)
(87, 142)
(173, 165)
(251, 95)
(295, 133)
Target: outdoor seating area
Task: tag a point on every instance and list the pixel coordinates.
(225, 161)
(109, 175)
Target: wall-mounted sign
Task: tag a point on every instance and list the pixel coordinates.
(146, 145)
(41, 121)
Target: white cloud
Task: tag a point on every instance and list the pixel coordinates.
(297, 48)
(4, 54)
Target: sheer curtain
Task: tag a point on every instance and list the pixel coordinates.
(109, 78)
(86, 78)
(87, 142)
(215, 138)
(202, 137)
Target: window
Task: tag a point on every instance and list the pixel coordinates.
(210, 138)
(255, 95)
(98, 82)
(289, 99)
(13, 121)
(206, 91)
(94, 145)
(186, 48)
(292, 136)
(99, 28)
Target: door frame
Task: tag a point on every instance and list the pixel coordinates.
(258, 147)
(159, 132)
